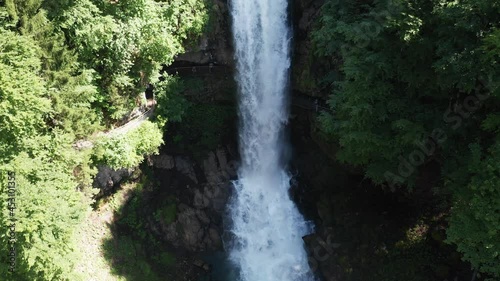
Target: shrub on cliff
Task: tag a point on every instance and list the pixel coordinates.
(128, 150)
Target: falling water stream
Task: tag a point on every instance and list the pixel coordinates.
(266, 224)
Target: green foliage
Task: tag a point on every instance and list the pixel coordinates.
(132, 251)
(131, 217)
(67, 70)
(126, 42)
(48, 209)
(167, 212)
(204, 127)
(475, 221)
(171, 105)
(127, 150)
(412, 258)
(408, 68)
(409, 261)
(129, 258)
(166, 259)
(48, 206)
(374, 119)
(23, 102)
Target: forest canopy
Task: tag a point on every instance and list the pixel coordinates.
(417, 90)
(69, 69)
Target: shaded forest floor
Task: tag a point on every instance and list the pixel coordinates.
(96, 229)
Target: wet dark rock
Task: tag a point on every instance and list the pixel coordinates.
(186, 167)
(304, 80)
(201, 189)
(201, 264)
(162, 161)
(107, 179)
(192, 230)
(323, 252)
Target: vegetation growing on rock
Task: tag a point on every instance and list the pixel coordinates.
(69, 69)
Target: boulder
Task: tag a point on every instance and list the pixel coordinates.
(201, 199)
(162, 161)
(107, 179)
(186, 167)
(192, 230)
(322, 252)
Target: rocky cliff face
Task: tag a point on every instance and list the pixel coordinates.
(201, 190)
(305, 14)
(215, 45)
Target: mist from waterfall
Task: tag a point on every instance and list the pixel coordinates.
(266, 224)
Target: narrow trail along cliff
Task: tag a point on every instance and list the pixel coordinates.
(132, 124)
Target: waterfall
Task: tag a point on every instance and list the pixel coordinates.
(266, 224)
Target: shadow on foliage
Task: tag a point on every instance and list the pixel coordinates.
(379, 235)
(134, 251)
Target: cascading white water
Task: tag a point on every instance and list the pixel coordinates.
(267, 226)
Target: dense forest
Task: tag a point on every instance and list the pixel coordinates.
(414, 100)
(69, 69)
